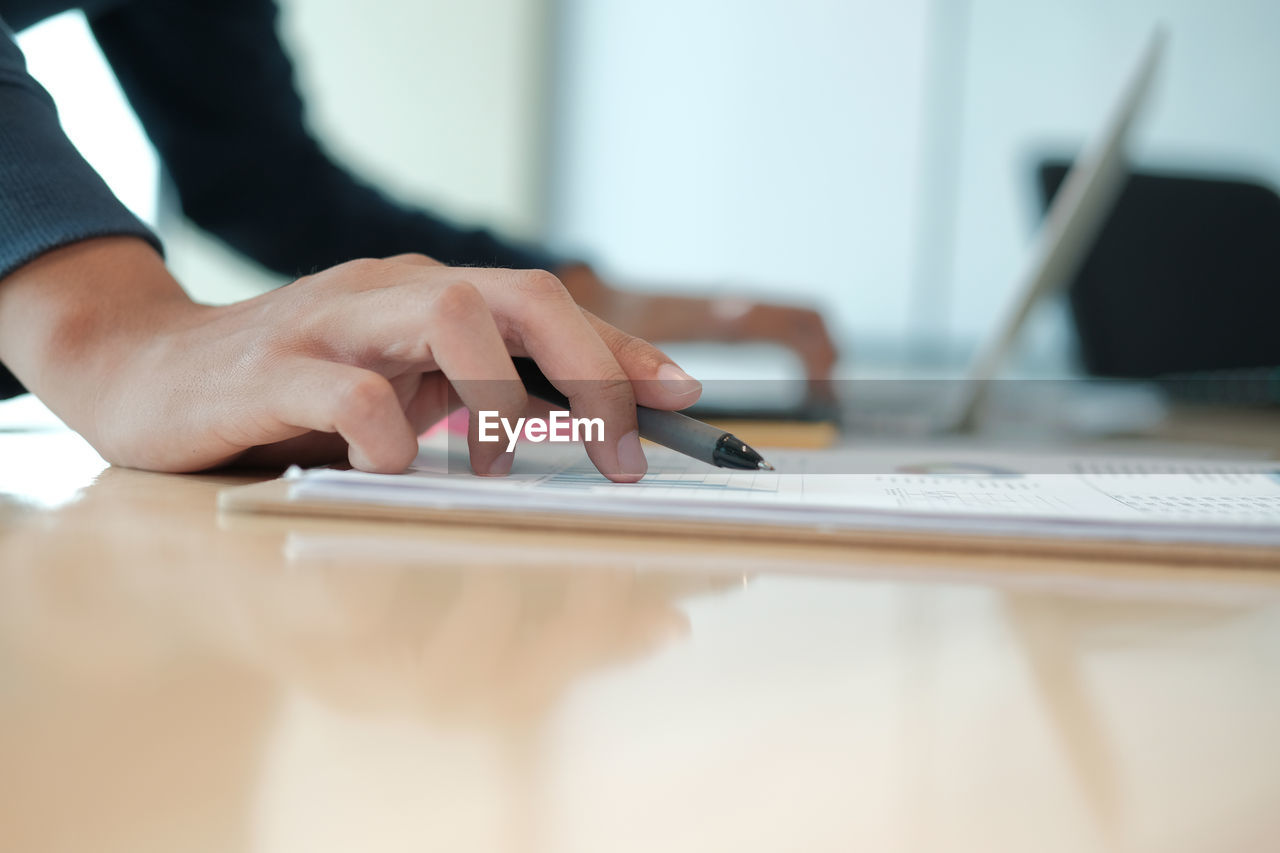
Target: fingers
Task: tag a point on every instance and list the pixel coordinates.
(469, 350)
(430, 320)
(685, 318)
(434, 400)
(800, 330)
(658, 382)
(409, 314)
(805, 333)
(542, 320)
(357, 404)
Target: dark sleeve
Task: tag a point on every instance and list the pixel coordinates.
(214, 89)
(49, 196)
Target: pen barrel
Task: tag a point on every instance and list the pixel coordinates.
(680, 432)
(673, 430)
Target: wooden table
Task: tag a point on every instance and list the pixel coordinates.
(176, 680)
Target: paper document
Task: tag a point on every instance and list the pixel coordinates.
(1143, 498)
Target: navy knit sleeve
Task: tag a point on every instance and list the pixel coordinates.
(49, 196)
(214, 89)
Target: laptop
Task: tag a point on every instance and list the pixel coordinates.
(1070, 227)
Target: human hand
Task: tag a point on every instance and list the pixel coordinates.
(662, 317)
(355, 360)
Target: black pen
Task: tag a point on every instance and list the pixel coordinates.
(678, 432)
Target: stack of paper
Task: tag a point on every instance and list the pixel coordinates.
(1108, 497)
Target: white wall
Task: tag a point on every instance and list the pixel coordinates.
(813, 146)
(762, 144)
(440, 101)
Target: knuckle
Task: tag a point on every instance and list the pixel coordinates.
(363, 396)
(456, 300)
(540, 284)
(615, 391)
(362, 266)
(633, 350)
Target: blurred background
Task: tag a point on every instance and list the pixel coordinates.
(875, 159)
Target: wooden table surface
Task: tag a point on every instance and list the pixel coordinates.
(176, 680)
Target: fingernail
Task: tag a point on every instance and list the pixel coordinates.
(501, 465)
(631, 461)
(677, 381)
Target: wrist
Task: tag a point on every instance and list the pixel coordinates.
(73, 319)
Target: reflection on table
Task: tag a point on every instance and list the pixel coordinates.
(173, 679)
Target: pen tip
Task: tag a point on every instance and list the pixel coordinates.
(765, 466)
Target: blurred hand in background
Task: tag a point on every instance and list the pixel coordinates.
(662, 317)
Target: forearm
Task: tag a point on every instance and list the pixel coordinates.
(74, 319)
(312, 214)
(50, 198)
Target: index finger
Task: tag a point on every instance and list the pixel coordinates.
(540, 319)
(657, 381)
